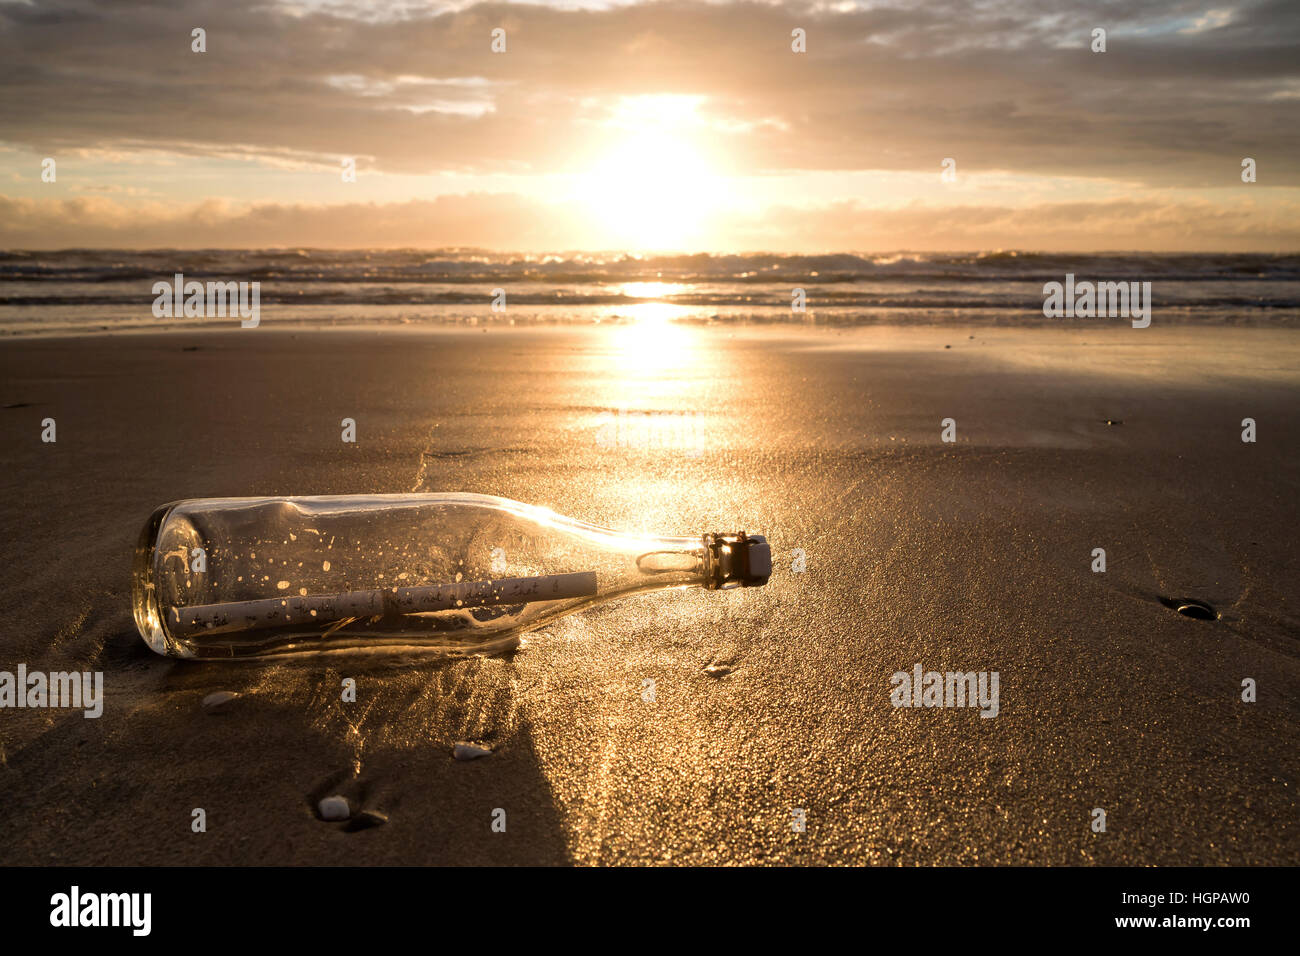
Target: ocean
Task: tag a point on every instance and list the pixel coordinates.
(84, 291)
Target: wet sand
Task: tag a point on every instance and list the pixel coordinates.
(967, 556)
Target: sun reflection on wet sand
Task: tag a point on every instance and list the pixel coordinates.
(653, 346)
(648, 343)
(647, 369)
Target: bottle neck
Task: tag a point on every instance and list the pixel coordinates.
(736, 560)
(719, 561)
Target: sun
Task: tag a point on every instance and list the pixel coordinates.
(654, 186)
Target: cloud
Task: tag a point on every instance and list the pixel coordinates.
(1212, 20)
(998, 86)
(489, 221)
(515, 223)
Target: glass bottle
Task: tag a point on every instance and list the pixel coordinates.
(449, 573)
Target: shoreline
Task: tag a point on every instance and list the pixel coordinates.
(997, 323)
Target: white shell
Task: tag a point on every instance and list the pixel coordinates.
(463, 751)
(216, 703)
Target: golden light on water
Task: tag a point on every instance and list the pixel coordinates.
(651, 290)
(656, 314)
(653, 313)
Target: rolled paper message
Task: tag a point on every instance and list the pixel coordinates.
(380, 602)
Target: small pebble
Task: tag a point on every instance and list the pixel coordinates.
(718, 670)
(463, 751)
(334, 808)
(217, 703)
(365, 820)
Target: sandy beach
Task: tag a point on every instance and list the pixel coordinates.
(971, 556)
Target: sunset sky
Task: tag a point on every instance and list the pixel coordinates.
(651, 126)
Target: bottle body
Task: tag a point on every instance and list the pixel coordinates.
(448, 573)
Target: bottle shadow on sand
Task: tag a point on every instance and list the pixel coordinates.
(165, 778)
